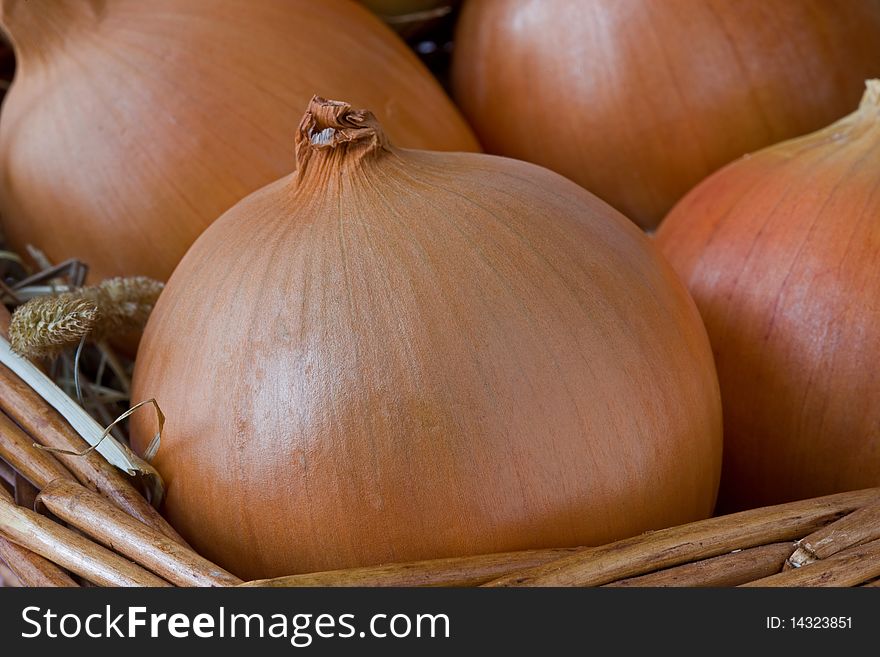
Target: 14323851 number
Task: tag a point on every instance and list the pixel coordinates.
(821, 622)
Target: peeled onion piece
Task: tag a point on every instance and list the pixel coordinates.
(781, 251)
(398, 354)
(639, 100)
(132, 125)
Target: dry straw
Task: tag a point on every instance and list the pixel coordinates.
(124, 304)
(47, 325)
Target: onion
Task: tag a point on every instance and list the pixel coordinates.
(397, 355)
(639, 100)
(132, 125)
(781, 252)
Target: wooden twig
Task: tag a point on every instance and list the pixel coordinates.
(83, 423)
(41, 421)
(27, 568)
(458, 571)
(730, 569)
(704, 539)
(17, 449)
(25, 492)
(7, 474)
(68, 549)
(31, 569)
(7, 577)
(846, 568)
(859, 527)
(96, 517)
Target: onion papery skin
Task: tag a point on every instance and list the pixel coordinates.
(640, 100)
(398, 354)
(132, 125)
(780, 251)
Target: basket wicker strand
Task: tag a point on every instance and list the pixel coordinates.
(102, 532)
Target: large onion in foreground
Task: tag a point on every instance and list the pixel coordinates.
(781, 251)
(131, 125)
(397, 354)
(639, 100)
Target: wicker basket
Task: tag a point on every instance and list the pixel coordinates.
(69, 521)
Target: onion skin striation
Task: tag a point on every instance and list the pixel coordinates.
(397, 355)
(639, 100)
(780, 251)
(132, 125)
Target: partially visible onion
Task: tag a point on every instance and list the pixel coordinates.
(639, 100)
(397, 354)
(781, 251)
(132, 125)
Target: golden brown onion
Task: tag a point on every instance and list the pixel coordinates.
(639, 100)
(781, 251)
(398, 354)
(132, 125)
